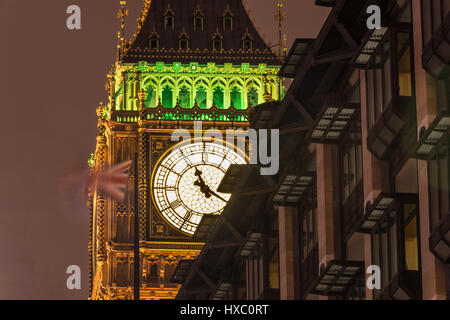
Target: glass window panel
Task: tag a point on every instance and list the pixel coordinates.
(217, 45)
(393, 247)
(198, 24)
(150, 100)
(352, 168)
(218, 97)
(227, 23)
(274, 272)
(185, 97)
(153, 44)
(249, 279)
(375, 249)
(387, 91)
(433, 172)
(378, 88)
(384, 265)
(346, 176)
(370, 93)
(411, 238)
(310, 231)
(247, 45)
(404, 64)
(168, 22)
(167, 97)
(304, 237)
(200, 97)
(252, 97)
(359, 161)
(236, 98)
(315, 224)
(260, 275)
(183, 44)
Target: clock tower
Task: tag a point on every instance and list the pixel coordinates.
(189, 61)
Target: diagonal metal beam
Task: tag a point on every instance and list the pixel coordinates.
(346, 35)
(205, 278)
(233, 230)
(333, 56)
(301, 109)
(223, 244)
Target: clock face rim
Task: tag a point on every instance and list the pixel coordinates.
(221, 143)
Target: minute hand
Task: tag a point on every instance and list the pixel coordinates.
(216, 195)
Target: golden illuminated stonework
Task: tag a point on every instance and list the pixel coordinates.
(168, 77)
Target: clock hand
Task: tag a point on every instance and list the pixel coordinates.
(216, 195)
(204, 187)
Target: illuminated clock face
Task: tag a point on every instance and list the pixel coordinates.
(186, 180)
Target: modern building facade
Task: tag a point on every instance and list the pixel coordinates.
(190, 60)
(364, 170)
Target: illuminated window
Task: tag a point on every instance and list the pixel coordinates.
(404, 64)
(274, 264)
(236, 98)
(389, 73)
(167, 97)
(395, 242)
(411, 237)
(150, 100)
(185, 97)
(200, 97)
(252, 97)
(218, 97)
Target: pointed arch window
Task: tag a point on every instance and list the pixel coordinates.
(183, 41)
(185, 97)
(252, 97)
(169, 19)
(228, 19)
(247, 45)
(167, 97)
(153, 40)
(247, 42)
(168, 271)
(217, 42)
(150, 100)
(154, 43)
(198, 19)
(201, 97)
(218, 97)
(236, 98)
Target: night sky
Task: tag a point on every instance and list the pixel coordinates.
(52, 80)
